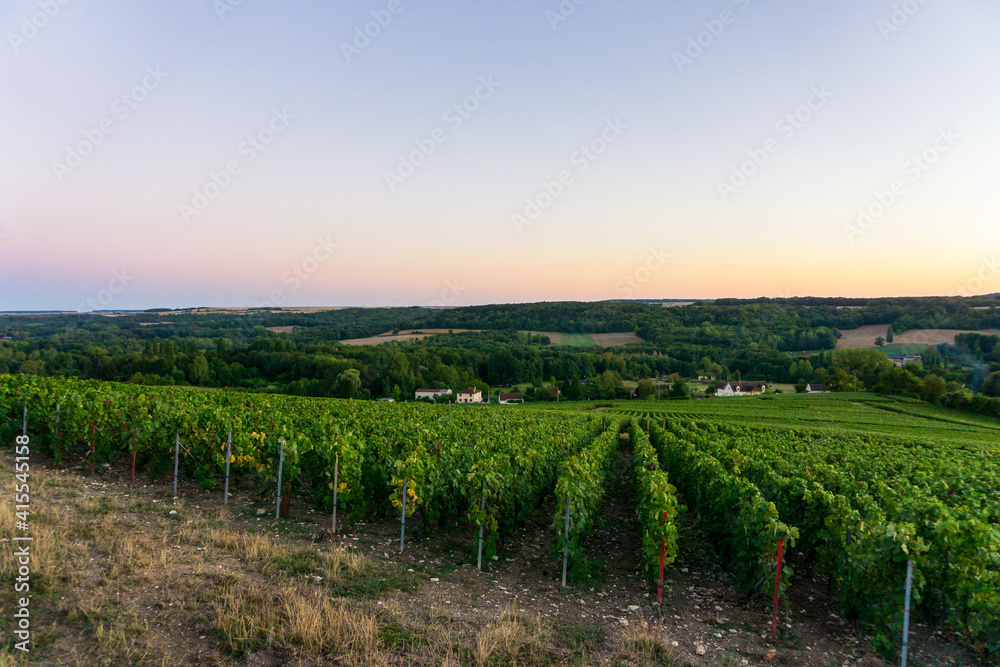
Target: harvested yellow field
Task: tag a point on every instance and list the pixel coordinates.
(865, 336)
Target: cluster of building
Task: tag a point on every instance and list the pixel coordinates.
(473, 395)
(903, 359)
(755, 388)
(728, 388)
(467, 395)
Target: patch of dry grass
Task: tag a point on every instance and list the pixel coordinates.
(47, 554)
(256, 548)
(122, 643)
(8, 660)
(134, 552)
(251, 616)
(342, 565)
(649, 644)
(514, 639)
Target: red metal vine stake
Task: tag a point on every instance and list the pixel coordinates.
(777, 585)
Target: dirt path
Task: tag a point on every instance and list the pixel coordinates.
(617, 542)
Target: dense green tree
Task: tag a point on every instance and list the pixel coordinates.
(646, 388)
(611, 381)
(575, 392)
(679, 390)
(991, 385)
(801, 369)
(933, 389)
(897, 380)
(348, 384)
(867, 364)
(197, 370)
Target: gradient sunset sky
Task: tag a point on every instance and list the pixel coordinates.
(730, 146)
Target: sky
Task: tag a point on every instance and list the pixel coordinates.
(399, 152)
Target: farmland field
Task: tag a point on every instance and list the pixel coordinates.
(865, 336)
(588, 340)
(613, 339)
(413, 334)
(555, 338)
(850, 486)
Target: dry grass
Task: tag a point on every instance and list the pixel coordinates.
(514, 639)
(342, 565)
(649, 644)
(119, 643)
(255, 548)
(251, 616)
(47, 554)
(133, 552)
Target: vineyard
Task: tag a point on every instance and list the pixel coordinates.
(852, 509)
(486, 465)
(861, 507)
(839, 413)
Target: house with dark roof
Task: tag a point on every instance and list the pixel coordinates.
(511, 397)
(469, 395)
(903, 359)
(741, 388)
(431, 393)
(815, 388)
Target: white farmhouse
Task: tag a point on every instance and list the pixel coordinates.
(741, 388)
(511, 397)
(431, 393)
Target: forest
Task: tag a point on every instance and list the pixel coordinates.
(783, 341)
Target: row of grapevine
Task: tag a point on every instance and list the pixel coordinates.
(580, 489)
(656, 503)
(866, 506)
(444, 452)
(505, 485)
(730, 508)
